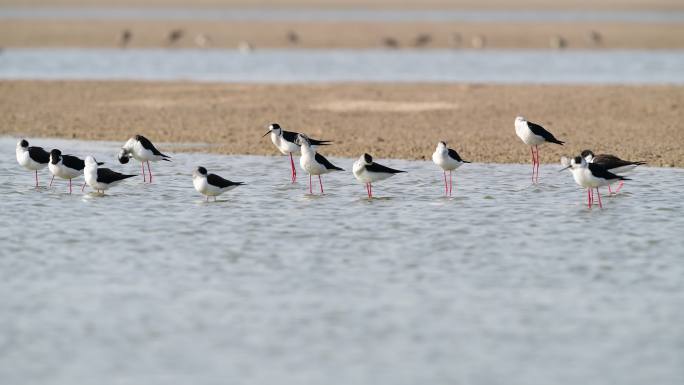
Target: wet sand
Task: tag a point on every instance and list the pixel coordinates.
(387, 120)
(312, 34)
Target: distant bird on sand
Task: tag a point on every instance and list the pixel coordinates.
(31, 157)
(174, 36)
(390, 42)
(101, 179)
(533, 135)
(312, 162)
(594, 38)
(456, 40)
(423, 39)
(211, 184)
(558, 42)
(611, 163)
(202, 40)
(141, 149)
(367, 171)
(292, 37)
(125, 38)
(448, 160)
(478, 41)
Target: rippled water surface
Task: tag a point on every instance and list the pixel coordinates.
(492, 66)
(504, 282)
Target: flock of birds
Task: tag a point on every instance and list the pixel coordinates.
(456, 40)
(589, 170)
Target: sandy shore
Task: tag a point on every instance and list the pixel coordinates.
(274, 34)
(397, 121)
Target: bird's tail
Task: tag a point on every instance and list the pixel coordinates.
(623, 178)
(338, 168)
(556, 141)
(465, 161)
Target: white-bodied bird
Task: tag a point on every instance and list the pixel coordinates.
(448, 160)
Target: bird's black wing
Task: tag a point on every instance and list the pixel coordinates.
(217, 181)
(600, 172)
(38, 154)
(326, 163)
(317, 142)
(541, 131)
(374, 167)
(73, 162)
(105, 175)
(612, 161)
(454, 155)
(149, 146)
(290, 136)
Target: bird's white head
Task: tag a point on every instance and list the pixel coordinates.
(200, 172)
(23, 144)
(303, 140)
(519, 119)
(90, 161)
(274, 128)
(578, 162)
(588, 155)
(441, 146)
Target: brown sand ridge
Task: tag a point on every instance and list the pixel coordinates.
(388, 120)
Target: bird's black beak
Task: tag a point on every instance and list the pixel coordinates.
(564, 168)
(268, 132)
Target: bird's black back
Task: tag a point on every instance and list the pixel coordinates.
(612, 161)
(149, 146)
(38, 154)
(454, 155)
(600, 172)
(326, 163)
(374, 167)
(219, 182)
(292, 136)
(105, 175)
(541, 131)
(73, 162)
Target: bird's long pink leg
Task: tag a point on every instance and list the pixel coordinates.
(367, 190)
(533, 162)
(320, 182)
(310, 188)
(52, 180)
(83, 187)
(142, 165)
(599, 197)
(446, 185)
(536, 147)
(36, 178)
(294, 170)
(619, 187)
(69, 186)
(609, 190)
(451, 183)
(149, 170)
(370, 186)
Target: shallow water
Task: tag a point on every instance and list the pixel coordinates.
(492, 66)
(150, 285)
(323, 15)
